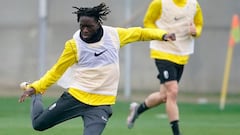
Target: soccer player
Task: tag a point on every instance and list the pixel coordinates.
(89, 68)
(185, 19)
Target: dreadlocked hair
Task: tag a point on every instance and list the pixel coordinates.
(98, 12)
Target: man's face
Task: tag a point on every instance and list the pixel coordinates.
(88, 27)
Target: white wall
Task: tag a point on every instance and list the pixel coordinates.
(19, 43)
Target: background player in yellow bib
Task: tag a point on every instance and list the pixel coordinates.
(185, 19)
(89, 69)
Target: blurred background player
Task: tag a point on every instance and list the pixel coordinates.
(185, 19)
(89, 68)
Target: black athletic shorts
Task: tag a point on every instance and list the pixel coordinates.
(168, 71)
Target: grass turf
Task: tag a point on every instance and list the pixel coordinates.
(196, 119)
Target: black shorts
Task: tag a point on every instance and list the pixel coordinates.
(168, 71)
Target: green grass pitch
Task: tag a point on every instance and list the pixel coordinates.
(196, 119)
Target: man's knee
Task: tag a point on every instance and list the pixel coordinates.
(172, 89)
(38, 126)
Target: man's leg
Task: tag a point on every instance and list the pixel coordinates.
(170, 74)
(36, 106)
(151, 101)
(95, 119)
(66, 107)
(171, 106)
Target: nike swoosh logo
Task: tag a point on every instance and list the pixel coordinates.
(178, 18)
(99, 53)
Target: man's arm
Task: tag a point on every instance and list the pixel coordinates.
(67, 58)
(135, 34)
(154, 11)
(198, 21)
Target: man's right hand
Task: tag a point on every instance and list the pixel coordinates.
(27, 93)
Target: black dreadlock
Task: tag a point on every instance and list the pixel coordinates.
(98, 12)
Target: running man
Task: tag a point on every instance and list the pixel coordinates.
(185, 19)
